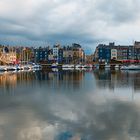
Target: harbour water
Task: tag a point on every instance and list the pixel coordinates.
(70, 105)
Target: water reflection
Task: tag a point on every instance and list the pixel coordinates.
(51, 79)
(69, 105)
(117, 79)
(72, 79)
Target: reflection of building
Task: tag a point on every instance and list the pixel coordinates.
(8, 80)
(117, 79)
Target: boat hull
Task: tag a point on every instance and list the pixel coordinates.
(130, 67)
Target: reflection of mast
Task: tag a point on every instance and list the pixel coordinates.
(133, 92)
(132, 83)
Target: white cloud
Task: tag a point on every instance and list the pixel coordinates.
(82, 21)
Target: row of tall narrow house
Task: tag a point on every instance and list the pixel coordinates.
(73, 54)
(106, 53)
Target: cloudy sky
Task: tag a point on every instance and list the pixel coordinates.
(88, 22)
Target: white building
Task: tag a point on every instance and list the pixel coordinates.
(114, 54)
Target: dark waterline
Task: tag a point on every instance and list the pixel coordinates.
(70, 105)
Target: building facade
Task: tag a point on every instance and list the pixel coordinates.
(78, 54)
(73, 54)
(57, 53)
(67, 55)
(137, 50)
(8, 55)
(41, 55)
(106, 53)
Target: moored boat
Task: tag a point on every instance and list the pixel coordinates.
(117, 67)
(78, 66)
(3, 68)
(107, 66)
(25, 67)
(65, 66)
(36, 66)
(54, 65)
(87, 66)
(10, 68)
(68, 67)
(130, 67)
